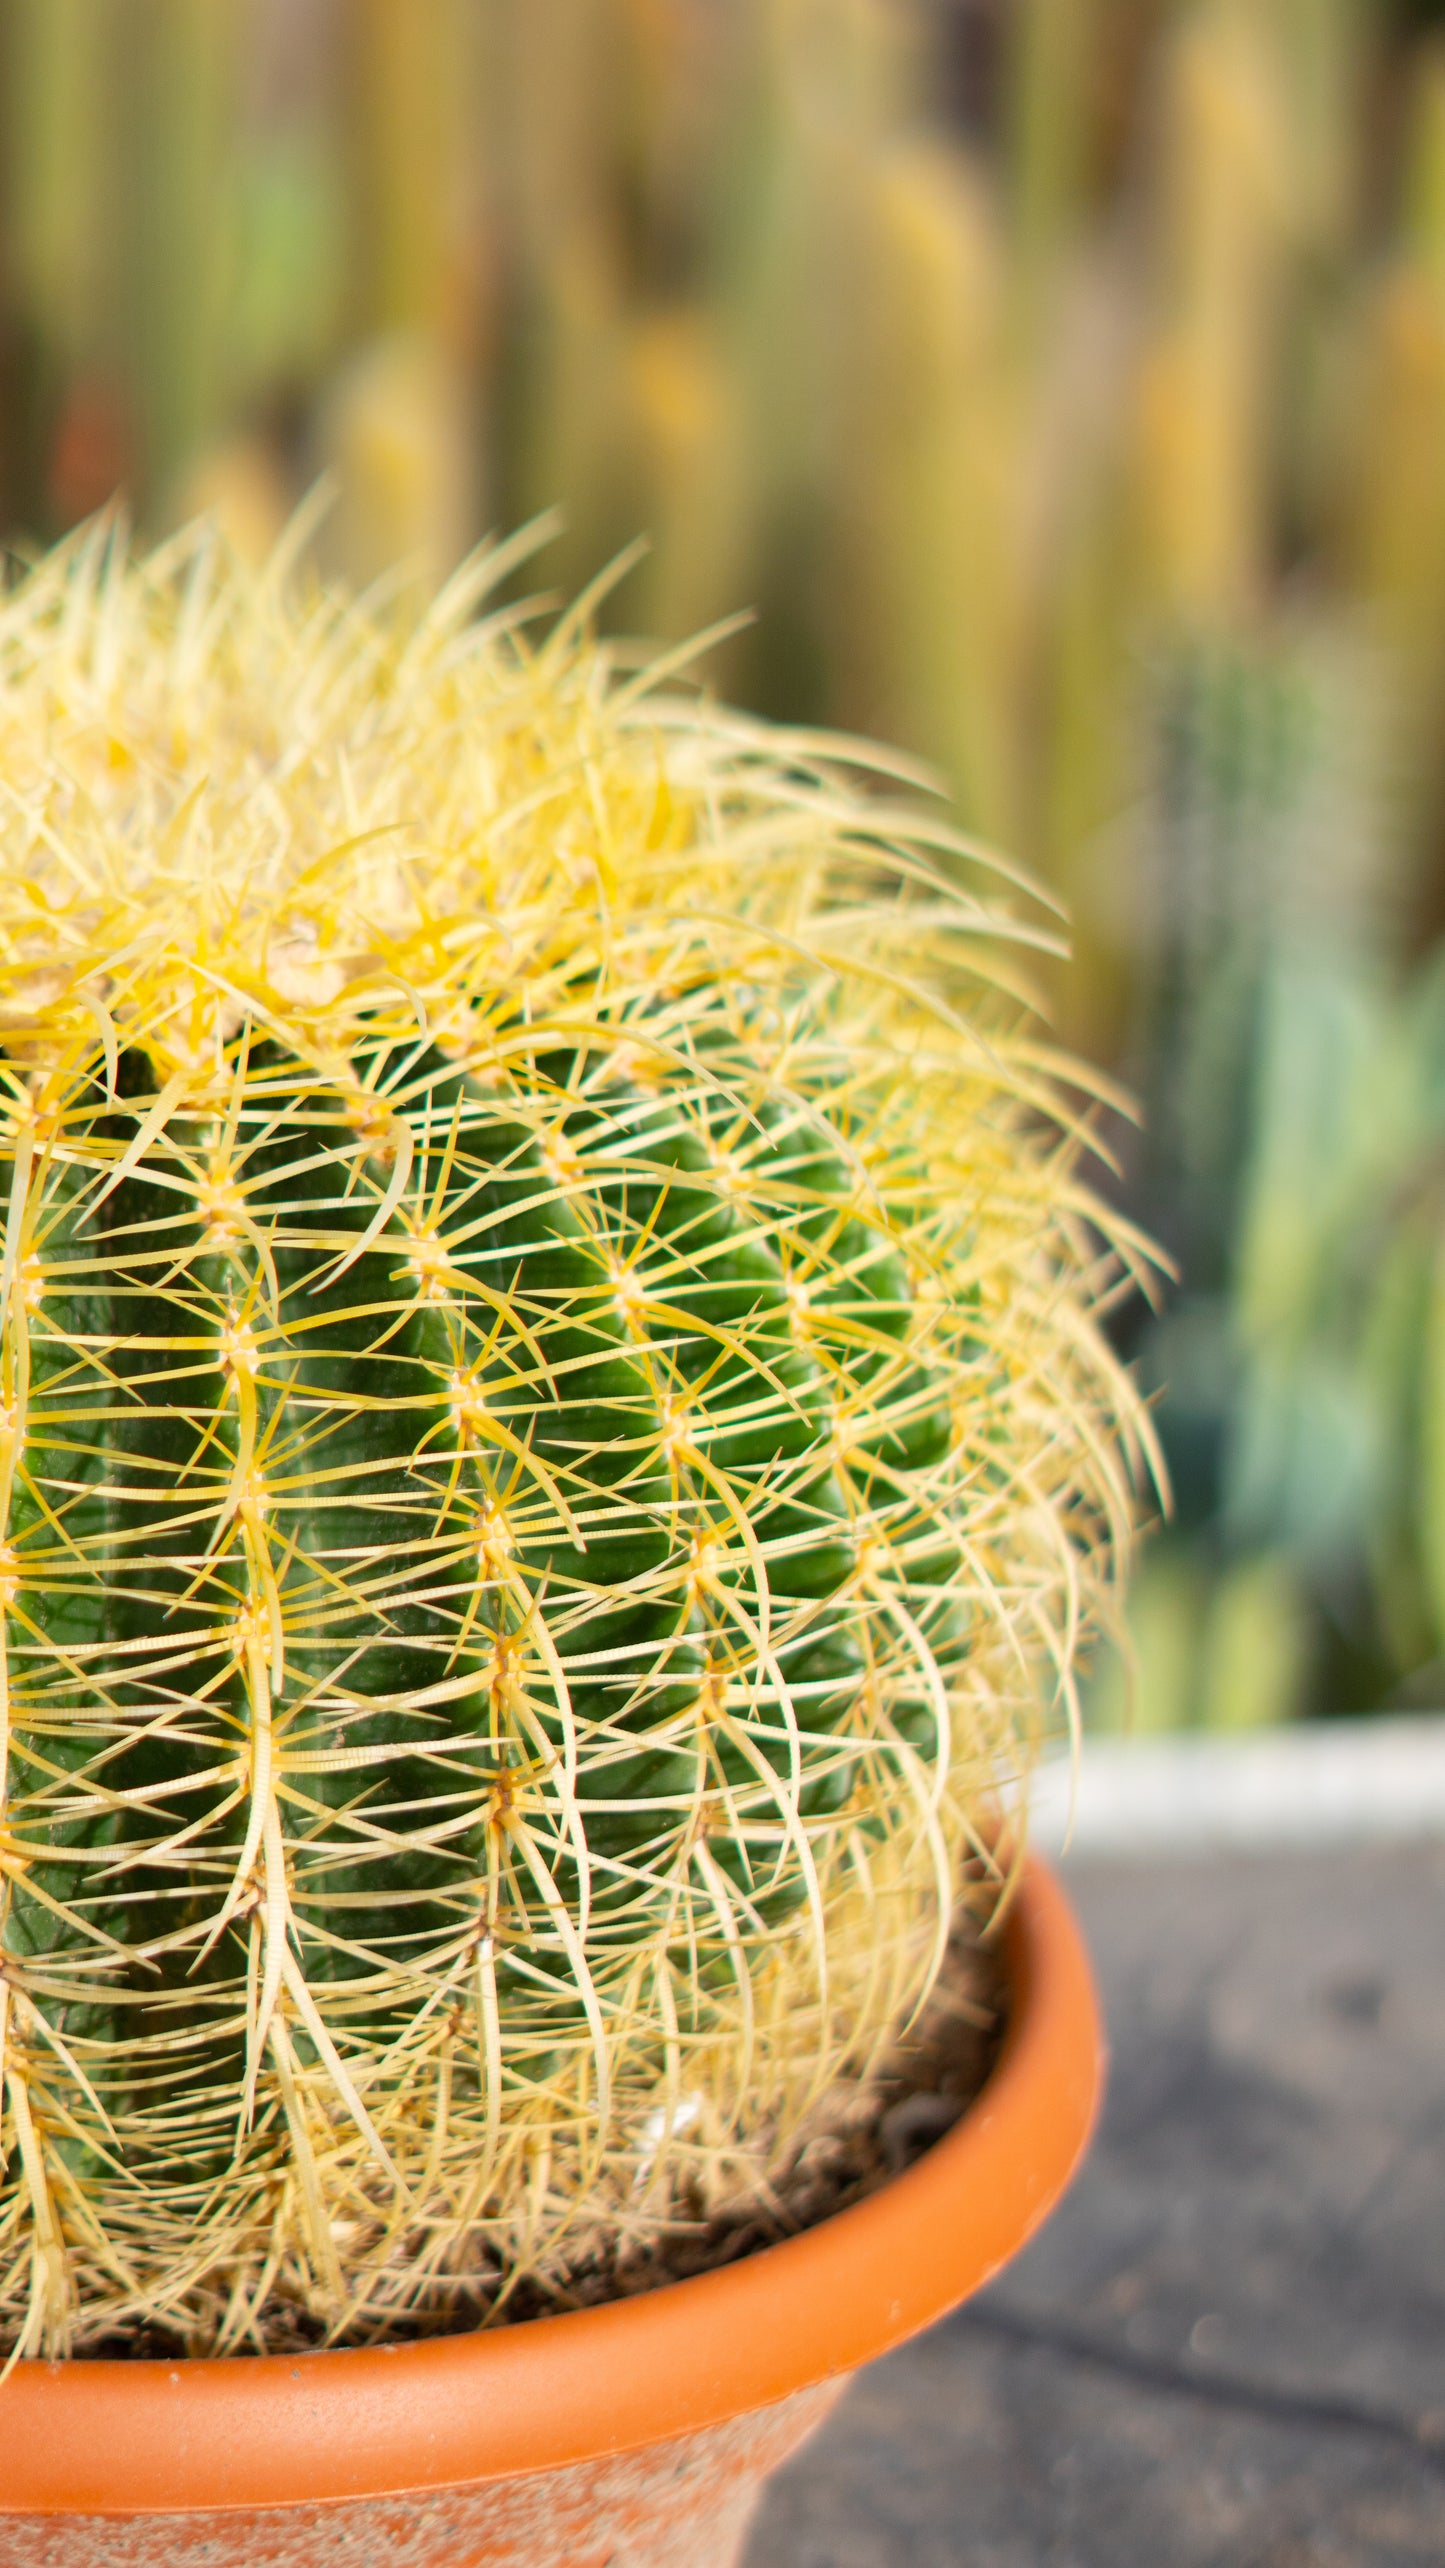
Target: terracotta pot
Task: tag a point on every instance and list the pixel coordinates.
(636, 2435)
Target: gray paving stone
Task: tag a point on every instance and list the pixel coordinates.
(1227, 2350)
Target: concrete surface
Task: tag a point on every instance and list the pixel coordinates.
(1227, 2350)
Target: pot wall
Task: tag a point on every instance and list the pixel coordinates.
(687, 2503)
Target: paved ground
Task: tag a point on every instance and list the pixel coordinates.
(1228, 2348)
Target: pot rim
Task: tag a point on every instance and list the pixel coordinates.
(118, 2437)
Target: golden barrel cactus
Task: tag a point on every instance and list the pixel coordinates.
(553, 1414)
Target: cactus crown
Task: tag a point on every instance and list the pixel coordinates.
(550, 1418)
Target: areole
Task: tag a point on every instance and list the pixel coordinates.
(635, 2435)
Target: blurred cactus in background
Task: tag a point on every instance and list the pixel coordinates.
(1061, 381)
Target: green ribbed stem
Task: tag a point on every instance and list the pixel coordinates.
(374, 1493)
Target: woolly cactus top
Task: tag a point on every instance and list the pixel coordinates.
(552, 1420)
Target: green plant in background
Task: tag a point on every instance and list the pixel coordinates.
(1304, 1399)
(1296, 1125)
(554, 1425)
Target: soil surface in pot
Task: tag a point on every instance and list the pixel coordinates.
(861, 2133)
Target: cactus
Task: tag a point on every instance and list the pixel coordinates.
(553, 1414)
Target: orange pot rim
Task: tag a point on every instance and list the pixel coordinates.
(116, 2437)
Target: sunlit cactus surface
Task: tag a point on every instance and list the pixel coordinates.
(554, 1442)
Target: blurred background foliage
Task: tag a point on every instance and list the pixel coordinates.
(1063, 382)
